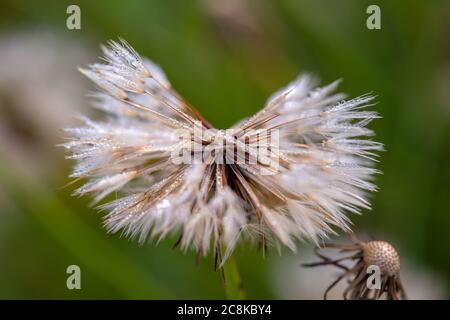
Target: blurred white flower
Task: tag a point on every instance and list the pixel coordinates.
(39, 93)
(320, 168)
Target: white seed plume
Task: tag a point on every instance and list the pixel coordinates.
(320, 168)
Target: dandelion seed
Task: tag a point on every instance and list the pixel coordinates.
(291, 171)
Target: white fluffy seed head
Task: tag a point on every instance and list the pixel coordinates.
(319, 170)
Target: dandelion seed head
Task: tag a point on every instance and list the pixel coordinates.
(359, 276)
(292, 171)
(383, 255)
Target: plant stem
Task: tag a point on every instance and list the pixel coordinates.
(233, 284)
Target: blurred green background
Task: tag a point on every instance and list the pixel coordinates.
(226, 58)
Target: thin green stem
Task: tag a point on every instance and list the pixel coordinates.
(233, 282)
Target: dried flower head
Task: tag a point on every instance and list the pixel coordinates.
(291, 171)
(366, 255)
